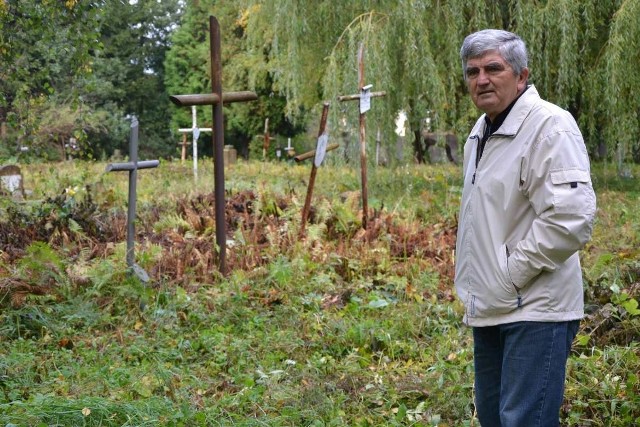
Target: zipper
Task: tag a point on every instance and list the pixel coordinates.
(477, 138)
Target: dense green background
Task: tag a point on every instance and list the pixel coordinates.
(78, 68)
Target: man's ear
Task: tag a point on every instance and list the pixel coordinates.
(522, 79)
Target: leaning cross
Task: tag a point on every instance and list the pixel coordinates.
(132, 166)
(364, 97)
(195, 131)
(216, 99)
(318, 155)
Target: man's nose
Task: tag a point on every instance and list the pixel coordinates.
(483, 77)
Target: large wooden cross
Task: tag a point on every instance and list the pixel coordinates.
(194, 130)
(364, 97)
(216, 99)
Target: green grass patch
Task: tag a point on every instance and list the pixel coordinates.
(337, 327)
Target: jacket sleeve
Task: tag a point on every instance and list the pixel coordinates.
(555, 177)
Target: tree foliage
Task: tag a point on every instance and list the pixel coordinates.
(582, 56)
(43, 46)
(105, 59)
(94, 61)
(189, 71)
(129, 72)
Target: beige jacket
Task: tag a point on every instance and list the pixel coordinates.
(526, 211)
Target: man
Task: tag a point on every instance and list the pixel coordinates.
(527, 209)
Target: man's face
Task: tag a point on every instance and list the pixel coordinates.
(492, 84)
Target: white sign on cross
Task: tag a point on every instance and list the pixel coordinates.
(195, 131)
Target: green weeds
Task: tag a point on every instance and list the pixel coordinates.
(338, 328)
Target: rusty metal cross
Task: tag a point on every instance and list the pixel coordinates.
(364, 97)
(216, 99)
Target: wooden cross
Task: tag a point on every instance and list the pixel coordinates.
(184, 144)
(216, 99)
(364, 97)
(132, 167)
(266, 139)
(195, 132)
(321, 149)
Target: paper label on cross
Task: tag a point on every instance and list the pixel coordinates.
(321, 149)
(196, 134)
(365, 99)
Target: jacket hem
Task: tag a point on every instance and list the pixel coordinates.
(523, 317)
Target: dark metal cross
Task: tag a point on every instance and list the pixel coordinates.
(364, 97)
(216, 99)
(132, 167)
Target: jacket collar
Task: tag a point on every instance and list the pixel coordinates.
(519, 112)
(516, 116)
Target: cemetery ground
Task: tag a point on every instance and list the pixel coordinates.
(340, 326)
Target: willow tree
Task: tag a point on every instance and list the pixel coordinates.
(582, 52)
(411, 51)
(622, 81)
(582, 57)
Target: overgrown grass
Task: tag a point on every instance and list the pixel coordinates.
(337, 328)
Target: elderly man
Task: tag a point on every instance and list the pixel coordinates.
(527, 209)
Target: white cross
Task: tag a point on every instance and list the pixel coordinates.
(195, 131)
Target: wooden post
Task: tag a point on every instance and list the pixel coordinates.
(364, 98)
(216, 100)
(266, 139)
(378, 144)
(183, 156)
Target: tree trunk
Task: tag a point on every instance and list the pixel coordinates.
(3, 123)
(418, 149)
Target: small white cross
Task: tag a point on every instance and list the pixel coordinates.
(195, 131)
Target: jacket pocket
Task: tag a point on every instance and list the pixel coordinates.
(572, 191)
(503, 262)
(495, 294)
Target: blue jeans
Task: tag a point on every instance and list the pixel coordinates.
(520, 372)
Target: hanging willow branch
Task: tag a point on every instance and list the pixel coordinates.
(583, 56)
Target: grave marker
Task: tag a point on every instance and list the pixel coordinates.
(364, 98)
(195, 132)
(267, 138)
(216, 99)
(183, 144)
(11, 180)
(289, 149)
(320, 151)
(132, 167)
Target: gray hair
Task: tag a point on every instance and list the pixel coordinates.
(510, 46)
